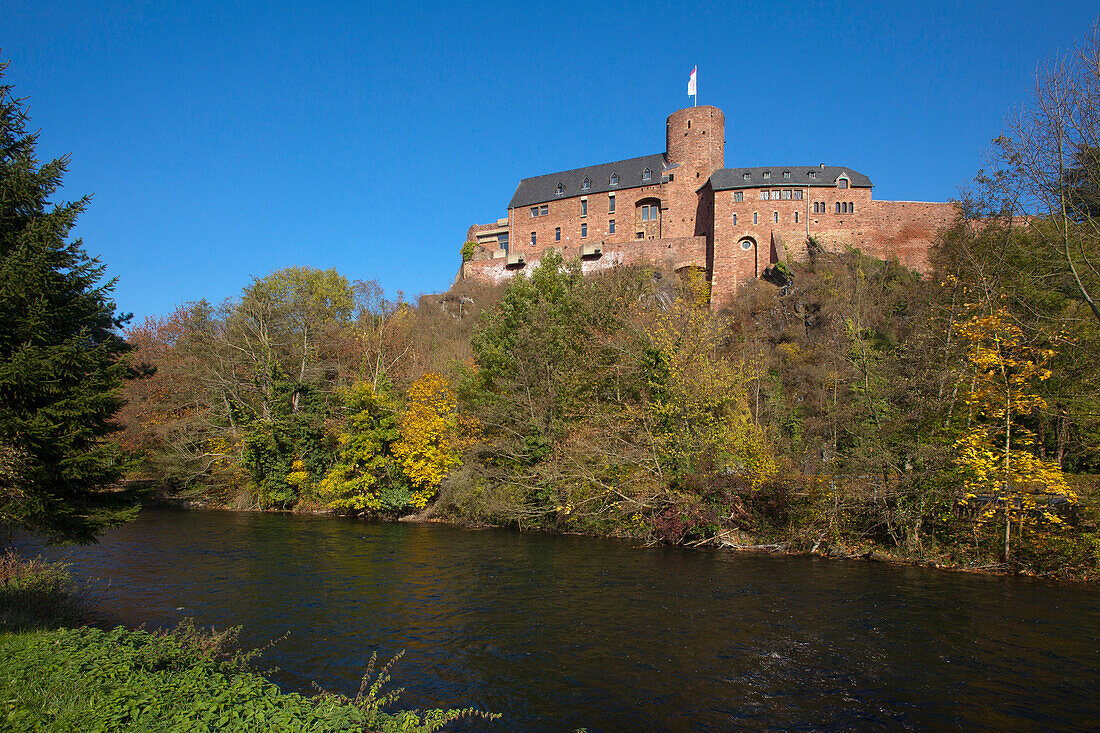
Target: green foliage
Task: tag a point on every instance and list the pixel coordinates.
(92, 680)
(37, 594)
(468, 250)
(61, 362)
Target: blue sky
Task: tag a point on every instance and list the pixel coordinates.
(225, 142)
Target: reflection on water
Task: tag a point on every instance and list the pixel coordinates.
(562, 632)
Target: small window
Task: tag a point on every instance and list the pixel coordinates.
(812, 174)
(838, 207)
(763, 195)
(842, 183)
(775, 195)
(786, 174)
(745, 176)
(614, 179)
(689, 124)
(735, 219)
(746, 244)
(534, 211)
(584, 229)
(797, 195)
(796, 217)
(767, 175)
(647, 174)
(775, 217)
(560, 190)
(786, 195)
(851, 207)
(586, 184)
(557, 234)
(611, 226)
(584, 207)
(532, 239)
(610, 203)
(738, 195)
(755, 218)
(544, 209)
(638, 235)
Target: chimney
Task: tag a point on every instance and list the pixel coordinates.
(822, 166)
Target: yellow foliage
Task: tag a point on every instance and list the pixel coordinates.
(432, 436)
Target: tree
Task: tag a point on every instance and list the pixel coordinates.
(61, 364)
(996, 453)
(1051, 160)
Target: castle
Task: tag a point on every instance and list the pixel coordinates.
(684, 209)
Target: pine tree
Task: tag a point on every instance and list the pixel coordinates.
(61, 362)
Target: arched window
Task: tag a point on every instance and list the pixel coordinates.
(560, 190)
(647, 174)
(614, 179)
(587, 184)
(842, 182)
(851, 207)
(838, 207)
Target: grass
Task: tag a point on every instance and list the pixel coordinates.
(57, 678)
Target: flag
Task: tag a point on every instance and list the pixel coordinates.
(691, 83)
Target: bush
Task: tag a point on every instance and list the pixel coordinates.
(37, 594)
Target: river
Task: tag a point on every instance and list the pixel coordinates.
(560, 632)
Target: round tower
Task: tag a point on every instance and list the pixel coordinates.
(695, 139)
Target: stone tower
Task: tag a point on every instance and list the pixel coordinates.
(695, 142)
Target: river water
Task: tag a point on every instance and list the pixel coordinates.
(560, 632)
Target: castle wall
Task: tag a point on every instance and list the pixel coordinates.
(665, 254)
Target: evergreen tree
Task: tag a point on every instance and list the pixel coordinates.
(60, 353)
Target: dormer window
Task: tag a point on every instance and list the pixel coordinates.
(812, 174)
(767, 174)
(745, 176)
(614, 179)
(647, 174)
(587, 184)
(786, 174)
(842, 182)
(560, 190)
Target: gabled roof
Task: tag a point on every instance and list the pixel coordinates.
(541, 189)
(731, 178)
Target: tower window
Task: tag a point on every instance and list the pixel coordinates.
(610, 203)
(735, 219)
(560, 190)
(584, 207)
(647, 174)
(775, 217)
(557, 234)
(614, 179)
(610, 226)
(584, 229)
(796, 217)
(755, 218)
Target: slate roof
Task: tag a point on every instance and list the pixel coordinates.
(541, 189)
(731, 178)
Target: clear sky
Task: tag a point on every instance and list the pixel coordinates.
(223, 140)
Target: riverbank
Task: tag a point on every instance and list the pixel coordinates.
(59, 672)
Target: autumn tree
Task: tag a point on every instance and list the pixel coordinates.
(61, 363)
(1002, 474)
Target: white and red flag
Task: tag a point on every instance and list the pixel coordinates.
(691, 82)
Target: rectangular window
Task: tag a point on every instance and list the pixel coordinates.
(557, 234)
(532, 239)
(775, 195)
(502, 240)
(584, 229)
(767, 174)
(735, 219)
(775, 217)
(755, 219)
(763, 195)
(842, 183)
(786, 195)
(738, 195)
(540, 210)
(611, 203)
(638, 235)
(796, 217)
(797, 195)
(584, 207)
(611, 226)
(534, 211)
